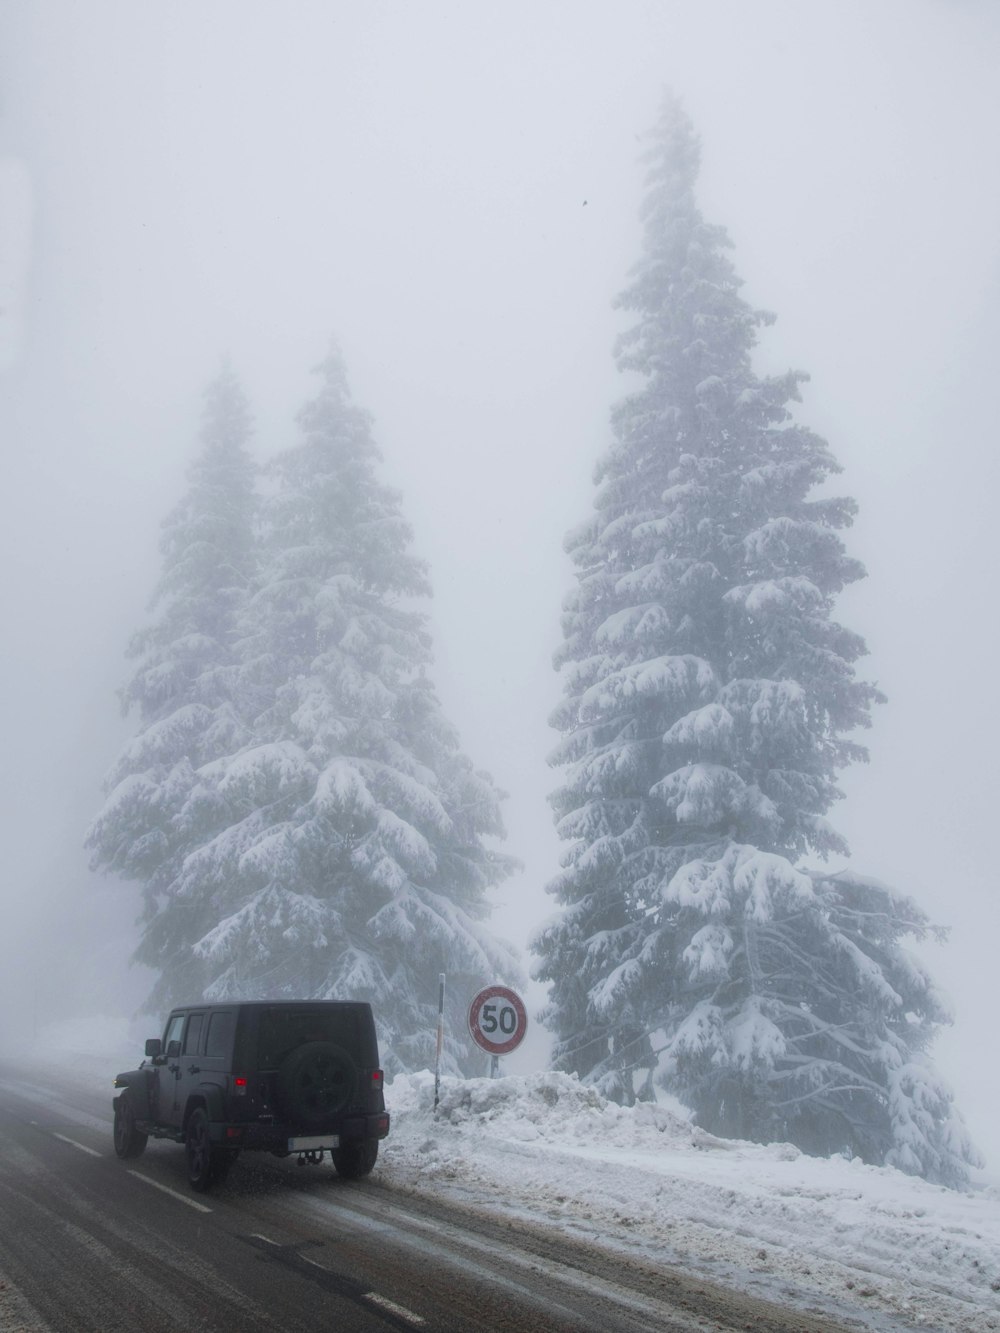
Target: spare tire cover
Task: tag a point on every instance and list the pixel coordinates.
(315, 1082)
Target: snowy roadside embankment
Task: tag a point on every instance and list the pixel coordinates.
(777, 1223)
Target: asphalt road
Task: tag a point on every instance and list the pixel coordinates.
(88, 1242)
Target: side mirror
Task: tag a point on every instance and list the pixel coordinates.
(173, 1050)
(153, 1047)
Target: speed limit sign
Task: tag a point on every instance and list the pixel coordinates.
(497, 1020)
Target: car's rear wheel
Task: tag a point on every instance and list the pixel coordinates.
(222, 1160)
(315, 1082)
(355, 1159)
(206, 1164)
(128, 1141)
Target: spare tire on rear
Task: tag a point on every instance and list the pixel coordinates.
(316, 1081)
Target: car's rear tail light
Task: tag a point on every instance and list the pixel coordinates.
(382, 1126)
(234, 1131)
(377, 1081)
(240, 1086)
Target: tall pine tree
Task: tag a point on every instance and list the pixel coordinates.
(183, 690)
(358, 850)
(710, 700)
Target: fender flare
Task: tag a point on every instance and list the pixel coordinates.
(138, 1082)
(208, 1095)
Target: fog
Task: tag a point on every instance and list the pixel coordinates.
(451, 190)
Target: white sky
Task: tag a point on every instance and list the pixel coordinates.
(184, 182)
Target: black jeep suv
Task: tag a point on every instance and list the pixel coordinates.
(295, 1077)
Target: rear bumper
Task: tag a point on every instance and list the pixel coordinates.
(276, 1138)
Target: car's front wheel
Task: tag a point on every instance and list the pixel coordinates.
(128, 1141)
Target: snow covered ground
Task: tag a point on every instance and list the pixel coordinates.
(851, 1240)
(868, 1245)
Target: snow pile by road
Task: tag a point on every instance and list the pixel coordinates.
(855, 1241)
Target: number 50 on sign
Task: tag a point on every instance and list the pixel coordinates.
(498, 1020)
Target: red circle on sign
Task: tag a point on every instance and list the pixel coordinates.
(490, 1023)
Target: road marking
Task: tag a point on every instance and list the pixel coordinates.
(398, 1221)
(384, 1303)
(82, 1146)
(181, 1198)
(256, 1235)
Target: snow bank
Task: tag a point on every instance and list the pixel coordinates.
(864, 1242)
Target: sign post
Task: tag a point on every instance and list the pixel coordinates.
(440, 1041)
(498, 1021)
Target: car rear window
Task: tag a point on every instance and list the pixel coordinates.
(220, 1031)
(281, 1030)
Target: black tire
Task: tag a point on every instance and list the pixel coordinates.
(128, 1141)
(222, 1160)
(316, 1082)
(355, 1159)
(207, 1166)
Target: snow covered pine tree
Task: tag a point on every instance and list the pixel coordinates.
(709, 701)
(182, 690)
(356, 859)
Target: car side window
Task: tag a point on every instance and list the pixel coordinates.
(192, 1035)
(174, 1029)
(220, 1031)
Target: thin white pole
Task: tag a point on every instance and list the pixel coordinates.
(440, 1040)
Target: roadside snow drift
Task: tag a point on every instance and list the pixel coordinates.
(859, 1241)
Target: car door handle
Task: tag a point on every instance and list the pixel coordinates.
(193, 1069)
